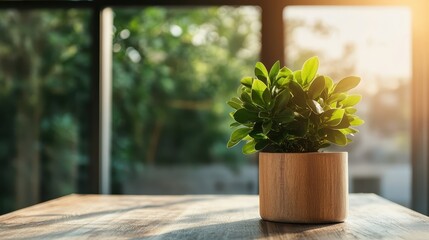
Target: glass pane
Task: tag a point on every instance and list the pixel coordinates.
(374, 43)
(173, 71)
(44, 96)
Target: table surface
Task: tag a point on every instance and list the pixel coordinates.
(200, 217)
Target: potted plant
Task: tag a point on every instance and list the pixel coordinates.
(289, 116)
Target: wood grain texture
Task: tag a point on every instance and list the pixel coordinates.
(303, 187)
(200, 217)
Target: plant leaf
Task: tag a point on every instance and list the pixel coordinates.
(298, 77)
(309, 69)
(261, 144)
(266, 126)
(260, 94)
(257, 132)
(245, 98)
(281, 100)
(244, 116)
(346, 84)
(274, 71)
(351, 100)
(235, 124)
(315, 106)
(336, 97)
(350, 110)
(356, 121)
(336, 137)
(283, 81)
(249, 147)
(332, 117)
(316, 87)
(299, 96)
(261, 72)
(343, 124)
(235, 103)
(284, 72)
(298, 127)
(286, 115)
(329, 83)
(237, 136)
(349, 130)
(264, 115)
(251, 107)
(247, 81)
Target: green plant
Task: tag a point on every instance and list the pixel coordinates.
(300, 111)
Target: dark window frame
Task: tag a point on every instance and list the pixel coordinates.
(272, 49)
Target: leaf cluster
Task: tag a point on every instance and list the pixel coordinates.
(293, 111)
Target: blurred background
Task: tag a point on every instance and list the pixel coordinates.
(172, 70)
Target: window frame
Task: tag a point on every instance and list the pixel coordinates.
(272, 49)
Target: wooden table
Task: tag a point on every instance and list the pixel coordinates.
(200, 217)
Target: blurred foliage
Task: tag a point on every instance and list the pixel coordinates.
(173, 69)
(44, 99)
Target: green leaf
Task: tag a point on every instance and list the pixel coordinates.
(332, 117)
(245, 98)
(247, 81)
(298, 77)
(343, 124)
(235, 124)
(336, 137)
(329, 83)
(261, 144)
(244, 116)
(264, 115)
(281, 100)
(266, 126)
(235, 103)
(356, 121)
(351, 100)
(316, 87)
(260, 94)
(349, 131)
(251, 107)
(249, 147)
(284, 116)
(350, 110)
(284, 72)
(336, 97)
(274, 71)
(237, 136)
(231, 114)
(325, 145)
(346, 84)
(309, 69)
(314, 106)
(257, 132)
(281, 82)
(299, 96)
(261, 72)
(298, 128)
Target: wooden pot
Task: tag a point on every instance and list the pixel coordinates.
(303, 187)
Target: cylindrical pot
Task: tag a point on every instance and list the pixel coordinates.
(303, 187)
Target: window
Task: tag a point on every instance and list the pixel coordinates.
(44, 98)
(375, 43)
(53, 111)
(173, 69)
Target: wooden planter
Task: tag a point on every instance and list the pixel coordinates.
(303, 187)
